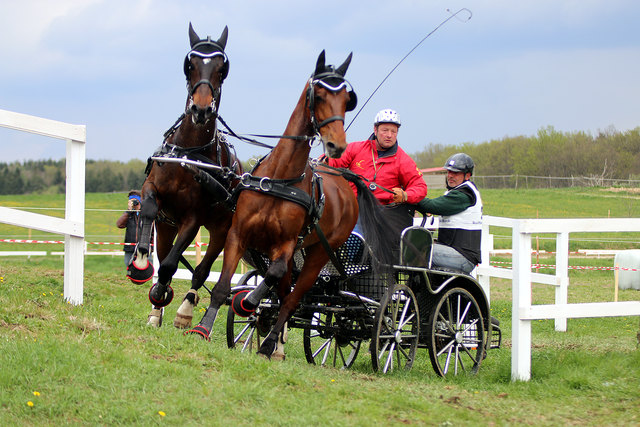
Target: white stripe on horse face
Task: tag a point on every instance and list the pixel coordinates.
(206, 60)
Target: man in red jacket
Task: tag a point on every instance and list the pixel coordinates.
(381, 161)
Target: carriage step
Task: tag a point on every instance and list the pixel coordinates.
(496, 334)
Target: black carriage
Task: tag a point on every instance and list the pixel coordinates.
(398, 308)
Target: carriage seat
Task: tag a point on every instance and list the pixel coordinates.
(354, 256)
(415, 247)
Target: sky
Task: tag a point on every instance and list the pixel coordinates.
(505, 68)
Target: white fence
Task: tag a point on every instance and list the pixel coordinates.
(523, 311)
(72, 226)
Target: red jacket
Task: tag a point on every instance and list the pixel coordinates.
(397, 170)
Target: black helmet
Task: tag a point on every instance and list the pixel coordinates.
(459, 162)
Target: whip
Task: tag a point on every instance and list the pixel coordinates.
(453, 15)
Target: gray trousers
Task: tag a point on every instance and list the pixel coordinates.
(446, 257)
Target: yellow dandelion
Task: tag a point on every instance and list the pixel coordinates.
(36, 393)
(30, 404)
(44, 294)
(161, 413)
(332, 380)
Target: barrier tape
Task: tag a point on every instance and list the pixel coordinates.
(571, 267)
(88, 243)
(494, 263)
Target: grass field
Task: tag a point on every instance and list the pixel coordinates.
(99, 364)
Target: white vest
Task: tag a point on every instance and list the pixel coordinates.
(468, 219)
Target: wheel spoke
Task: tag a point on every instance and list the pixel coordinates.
(389, 362)
(249, 341)
(322, 347)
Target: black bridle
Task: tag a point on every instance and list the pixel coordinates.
(328, 81)
(206, 49)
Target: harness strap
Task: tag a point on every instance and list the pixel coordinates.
(281, 188)
(332, 255)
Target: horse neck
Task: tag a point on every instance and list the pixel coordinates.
(289, 157)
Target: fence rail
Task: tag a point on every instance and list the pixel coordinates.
(72, 226)
(523, 311)
(532, 181)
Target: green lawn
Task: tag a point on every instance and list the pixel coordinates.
(99, 364)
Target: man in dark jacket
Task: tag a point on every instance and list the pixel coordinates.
(460, 208)
(129, 221)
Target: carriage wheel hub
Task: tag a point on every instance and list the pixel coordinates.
(459, 337)
(398, 337)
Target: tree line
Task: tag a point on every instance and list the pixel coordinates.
(48, 176)
(609, 154)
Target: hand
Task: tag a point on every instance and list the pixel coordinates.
(130, 205)
(399, 195)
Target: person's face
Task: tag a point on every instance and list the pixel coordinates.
(134, 204)
(386, 135)
(456, 178)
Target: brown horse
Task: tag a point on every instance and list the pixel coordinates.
(277, 227)
(171, 196)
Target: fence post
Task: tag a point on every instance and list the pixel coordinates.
(486, 246)
(74, 211)
(562, 276)
(521, 300)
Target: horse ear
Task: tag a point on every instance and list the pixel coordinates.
(193, 37)
(222, 41)
(342, 70)
(320, 64)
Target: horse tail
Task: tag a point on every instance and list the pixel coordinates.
(377, 232)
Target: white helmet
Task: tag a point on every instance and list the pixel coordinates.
(387, 116)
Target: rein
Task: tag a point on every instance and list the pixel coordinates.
(343, 171)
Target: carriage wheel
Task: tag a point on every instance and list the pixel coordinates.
(396, 330)
(242, 331)
(456, 334)
(324, 346)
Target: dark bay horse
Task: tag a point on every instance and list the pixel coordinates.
(171, 196)
(277, 227)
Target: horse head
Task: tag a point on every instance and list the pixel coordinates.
(329, 97)
(205, 67)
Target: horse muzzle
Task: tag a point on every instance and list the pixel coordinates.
(333, 150)
(201, 115)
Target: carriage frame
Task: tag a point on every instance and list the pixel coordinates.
(399, 308)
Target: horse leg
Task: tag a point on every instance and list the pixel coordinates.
(316, 258)
(184, 315)
(246, 302)
(279, 272)
(140, 270)
(161, 292)
(232, 254)
(284, 289)
(164, 237)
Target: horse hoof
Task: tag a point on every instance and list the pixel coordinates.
(278, 355)
(160, 300)
(238, 306)
(139, 276)
(155, 317)
(200, 331)
(182, 321)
